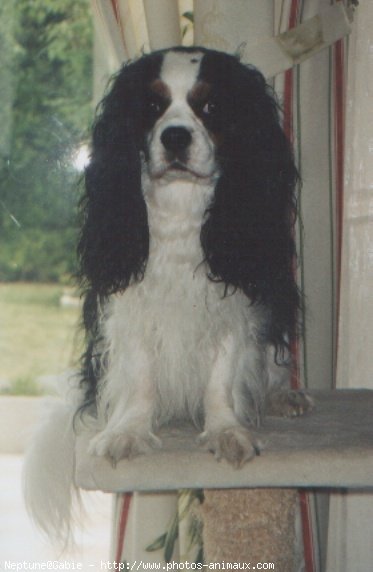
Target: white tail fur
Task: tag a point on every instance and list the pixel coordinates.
(48, 476)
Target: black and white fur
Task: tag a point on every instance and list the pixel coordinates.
(187, 256)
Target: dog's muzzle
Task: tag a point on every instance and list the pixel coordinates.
(176, 141)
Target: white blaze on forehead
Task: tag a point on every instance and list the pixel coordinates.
(178, 76)
(180, 71)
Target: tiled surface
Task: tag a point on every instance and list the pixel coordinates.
(20, 541)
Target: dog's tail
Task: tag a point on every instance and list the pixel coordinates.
(51, 497)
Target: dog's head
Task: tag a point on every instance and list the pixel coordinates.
(201, 115)
(178, 120)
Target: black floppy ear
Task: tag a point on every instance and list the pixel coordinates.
(113, 246)
(248, 235)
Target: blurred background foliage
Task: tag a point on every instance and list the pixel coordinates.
(45, 115)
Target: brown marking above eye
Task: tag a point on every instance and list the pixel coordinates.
(199, 93)
(157, 99)
(203, 101)
(159, 88)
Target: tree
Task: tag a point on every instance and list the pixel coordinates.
(48, 47)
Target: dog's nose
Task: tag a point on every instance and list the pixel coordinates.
(176, 138)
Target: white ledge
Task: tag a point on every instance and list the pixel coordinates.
(330, 447)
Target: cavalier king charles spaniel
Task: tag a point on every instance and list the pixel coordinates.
(187, 258)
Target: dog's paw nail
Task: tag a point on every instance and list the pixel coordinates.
(293, 403)
(235, 444)
(125, 445)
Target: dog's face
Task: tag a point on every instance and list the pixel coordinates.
(179, 120)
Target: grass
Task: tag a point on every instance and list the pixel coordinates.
(37, 336)
(23, 386)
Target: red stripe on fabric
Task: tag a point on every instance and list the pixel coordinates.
(294, 12)
(123, 519)
(114, 4)
(294, 379)
(288, 87)
(339, 146)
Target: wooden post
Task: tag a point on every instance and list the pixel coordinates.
(250, 526)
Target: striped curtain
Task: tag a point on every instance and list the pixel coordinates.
(315, 125)
(350, 538)
(158, 526)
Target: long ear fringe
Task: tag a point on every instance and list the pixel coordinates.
(248, 236)
(114, 242)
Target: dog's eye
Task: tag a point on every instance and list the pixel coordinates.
(154, 106)
(210, 108)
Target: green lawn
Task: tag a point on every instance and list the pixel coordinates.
(37, 335)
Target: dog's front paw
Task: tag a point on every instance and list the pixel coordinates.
(289, 403)
(125, 445)
(235, 444)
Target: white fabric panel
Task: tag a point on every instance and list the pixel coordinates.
(232, 27)
(316, 213)
(282, 52)
(357, 264)
(149, 516)
(163, 21)
(316, 218)
(140, 29)
(350, 545)
(311, 145)
(109, 33)
(127, 28)
(227, 25)
(350, 541)
(124, 39)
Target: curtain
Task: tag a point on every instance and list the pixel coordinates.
(125, 29)
(350, 539)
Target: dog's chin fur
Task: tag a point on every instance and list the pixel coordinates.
(187, 263)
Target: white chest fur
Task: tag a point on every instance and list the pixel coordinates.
(169, 327)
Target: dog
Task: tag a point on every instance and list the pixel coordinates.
(187, 265)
